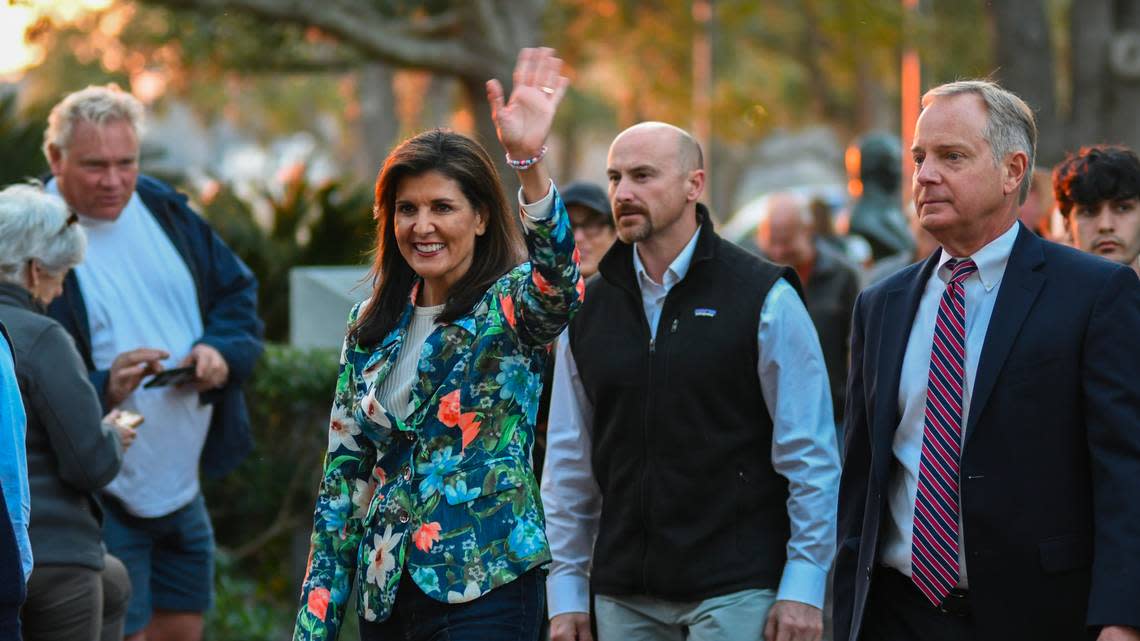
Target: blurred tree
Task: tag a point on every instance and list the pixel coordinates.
(1076, 64)
(778, 64)
(775, 64)
(166, 59)
(323, 224)
(21, 135)
(469, 40)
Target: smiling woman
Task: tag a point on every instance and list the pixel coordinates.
(428, 481)
(442, 219)
(436, 230)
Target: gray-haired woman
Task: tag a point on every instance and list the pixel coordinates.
(76, 590)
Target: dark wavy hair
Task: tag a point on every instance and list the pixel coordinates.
(496, 252)
(1094, 175)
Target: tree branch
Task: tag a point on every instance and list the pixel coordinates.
(489, 25)
(434, 25)
(396, 42)
(296, 65)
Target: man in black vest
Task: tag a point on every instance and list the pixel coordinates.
(691, 467)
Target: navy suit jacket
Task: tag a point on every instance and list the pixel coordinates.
(1050, 471)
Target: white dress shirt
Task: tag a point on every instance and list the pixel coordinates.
(793, 380)
(981, 292)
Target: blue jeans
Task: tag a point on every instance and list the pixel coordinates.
(511, 612)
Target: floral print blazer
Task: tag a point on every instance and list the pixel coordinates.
(448, 494)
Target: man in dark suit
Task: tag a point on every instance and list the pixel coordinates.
(991, 488)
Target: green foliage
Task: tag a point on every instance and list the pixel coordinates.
(775, 64)
(20, 138)
(955, 40)
(242, 609)
(325, 224)
(259, 510)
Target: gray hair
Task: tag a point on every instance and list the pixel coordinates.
(1010, 125)
(35, 225)
(97, 105)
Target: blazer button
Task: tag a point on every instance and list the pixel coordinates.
(403, 516)
(868, 571)
(407, 474)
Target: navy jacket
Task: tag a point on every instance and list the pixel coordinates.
(227, 296)
(1051, 463)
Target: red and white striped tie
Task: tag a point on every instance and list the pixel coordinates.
(934, 551)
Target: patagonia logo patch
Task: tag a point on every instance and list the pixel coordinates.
(704, 312)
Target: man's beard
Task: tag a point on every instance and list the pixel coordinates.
(637, 233)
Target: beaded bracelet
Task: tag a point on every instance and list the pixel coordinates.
(522, 165)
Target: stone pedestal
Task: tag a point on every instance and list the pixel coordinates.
(319, 301)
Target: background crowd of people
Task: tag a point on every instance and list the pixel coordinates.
(700, 439)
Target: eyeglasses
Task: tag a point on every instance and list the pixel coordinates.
(590, 228)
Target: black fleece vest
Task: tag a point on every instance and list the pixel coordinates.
(682, 439)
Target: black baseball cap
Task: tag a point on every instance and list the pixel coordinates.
(589, 196)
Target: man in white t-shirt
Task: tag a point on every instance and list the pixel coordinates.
(158, 290)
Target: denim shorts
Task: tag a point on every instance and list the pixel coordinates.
(170, 559)
(511, 612)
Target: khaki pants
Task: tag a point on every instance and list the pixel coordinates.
(739, 616)
(72, 603)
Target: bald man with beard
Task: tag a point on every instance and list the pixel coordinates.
(691, 471)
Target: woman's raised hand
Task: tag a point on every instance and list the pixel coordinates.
(524, 121)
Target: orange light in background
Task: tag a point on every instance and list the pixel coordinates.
(16, 54)
(148, 85)
(852, 160)
(463, 121)
(702, 54)
(910, 90)
(605, 8)
(66, 10)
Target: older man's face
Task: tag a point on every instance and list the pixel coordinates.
(785, 236)
(961, 195)
(98, 170)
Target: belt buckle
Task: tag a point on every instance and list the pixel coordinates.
(956, 603)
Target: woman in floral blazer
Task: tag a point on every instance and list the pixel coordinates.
(428, 494)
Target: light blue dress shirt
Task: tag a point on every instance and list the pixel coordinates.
(793, 381)
(14, 456)
(981, 293)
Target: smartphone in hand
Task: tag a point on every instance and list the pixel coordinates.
(175, 376)
(128, 419)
